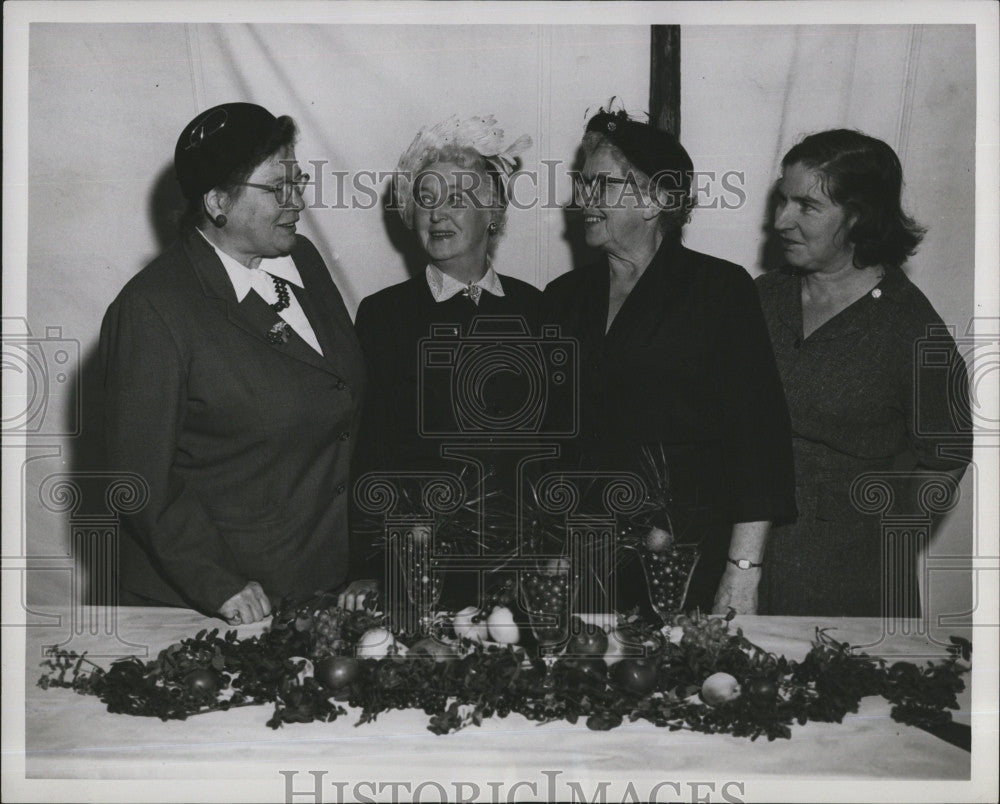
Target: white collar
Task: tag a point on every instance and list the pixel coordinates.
(443, 287)
(241, 276)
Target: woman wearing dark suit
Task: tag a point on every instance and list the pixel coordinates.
(674, 354)
(450, 188)
(849, 330)
(233, 386)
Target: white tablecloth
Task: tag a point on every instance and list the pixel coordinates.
(69, 736)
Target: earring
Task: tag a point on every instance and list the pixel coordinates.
(220, 220)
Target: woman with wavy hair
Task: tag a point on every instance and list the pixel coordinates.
(848, 329)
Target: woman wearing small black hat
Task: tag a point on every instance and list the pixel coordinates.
(233, 383)
(674, 353)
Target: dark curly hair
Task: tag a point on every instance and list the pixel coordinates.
(863, 175)
(283, 134)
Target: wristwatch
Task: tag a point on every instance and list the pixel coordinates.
(743, 563)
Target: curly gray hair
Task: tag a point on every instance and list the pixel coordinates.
(475, 143)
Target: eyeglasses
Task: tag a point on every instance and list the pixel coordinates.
(591, 189)
(284, 191)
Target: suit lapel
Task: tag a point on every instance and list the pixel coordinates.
(328, 317)
(253, 315)
(653, 301)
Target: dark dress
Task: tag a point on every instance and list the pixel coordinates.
(408, 418)
(851, 388)
(686, 364)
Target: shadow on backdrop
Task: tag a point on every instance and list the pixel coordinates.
(166, 206)
(85, 453)
(573, 230)
(403, 240)
(770, 255)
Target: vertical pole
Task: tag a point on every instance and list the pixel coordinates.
(665, 78)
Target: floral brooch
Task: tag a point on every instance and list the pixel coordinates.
(279, 333)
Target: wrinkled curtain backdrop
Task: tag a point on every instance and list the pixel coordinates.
(107, 102)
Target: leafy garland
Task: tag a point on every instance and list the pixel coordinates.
(468, 682)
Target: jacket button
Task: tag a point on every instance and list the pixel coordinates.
(595, 435)
(344, 436)
(341, 488)
(341, 385)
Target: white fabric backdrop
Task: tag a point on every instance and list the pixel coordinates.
(107, 102)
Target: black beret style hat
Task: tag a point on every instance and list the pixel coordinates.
(217, 142)
(650, 149)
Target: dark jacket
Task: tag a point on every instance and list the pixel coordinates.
(411, 409)
(245, 445)
(418, 402)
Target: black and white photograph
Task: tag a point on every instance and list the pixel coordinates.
(495, 402)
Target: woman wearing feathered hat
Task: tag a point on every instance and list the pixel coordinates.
(233, 386)
(674, 353)
(450, 188)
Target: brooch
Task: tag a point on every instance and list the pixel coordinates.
(279, 333)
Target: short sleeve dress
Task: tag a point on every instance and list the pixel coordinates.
(879, 388)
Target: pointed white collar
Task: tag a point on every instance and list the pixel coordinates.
(443, 287)
(242, 277)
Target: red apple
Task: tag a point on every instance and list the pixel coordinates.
(337, 671)
(636, 675)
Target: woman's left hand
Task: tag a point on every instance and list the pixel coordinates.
(738, 590)
(353, 597)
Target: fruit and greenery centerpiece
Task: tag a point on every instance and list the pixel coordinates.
(317, 663)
